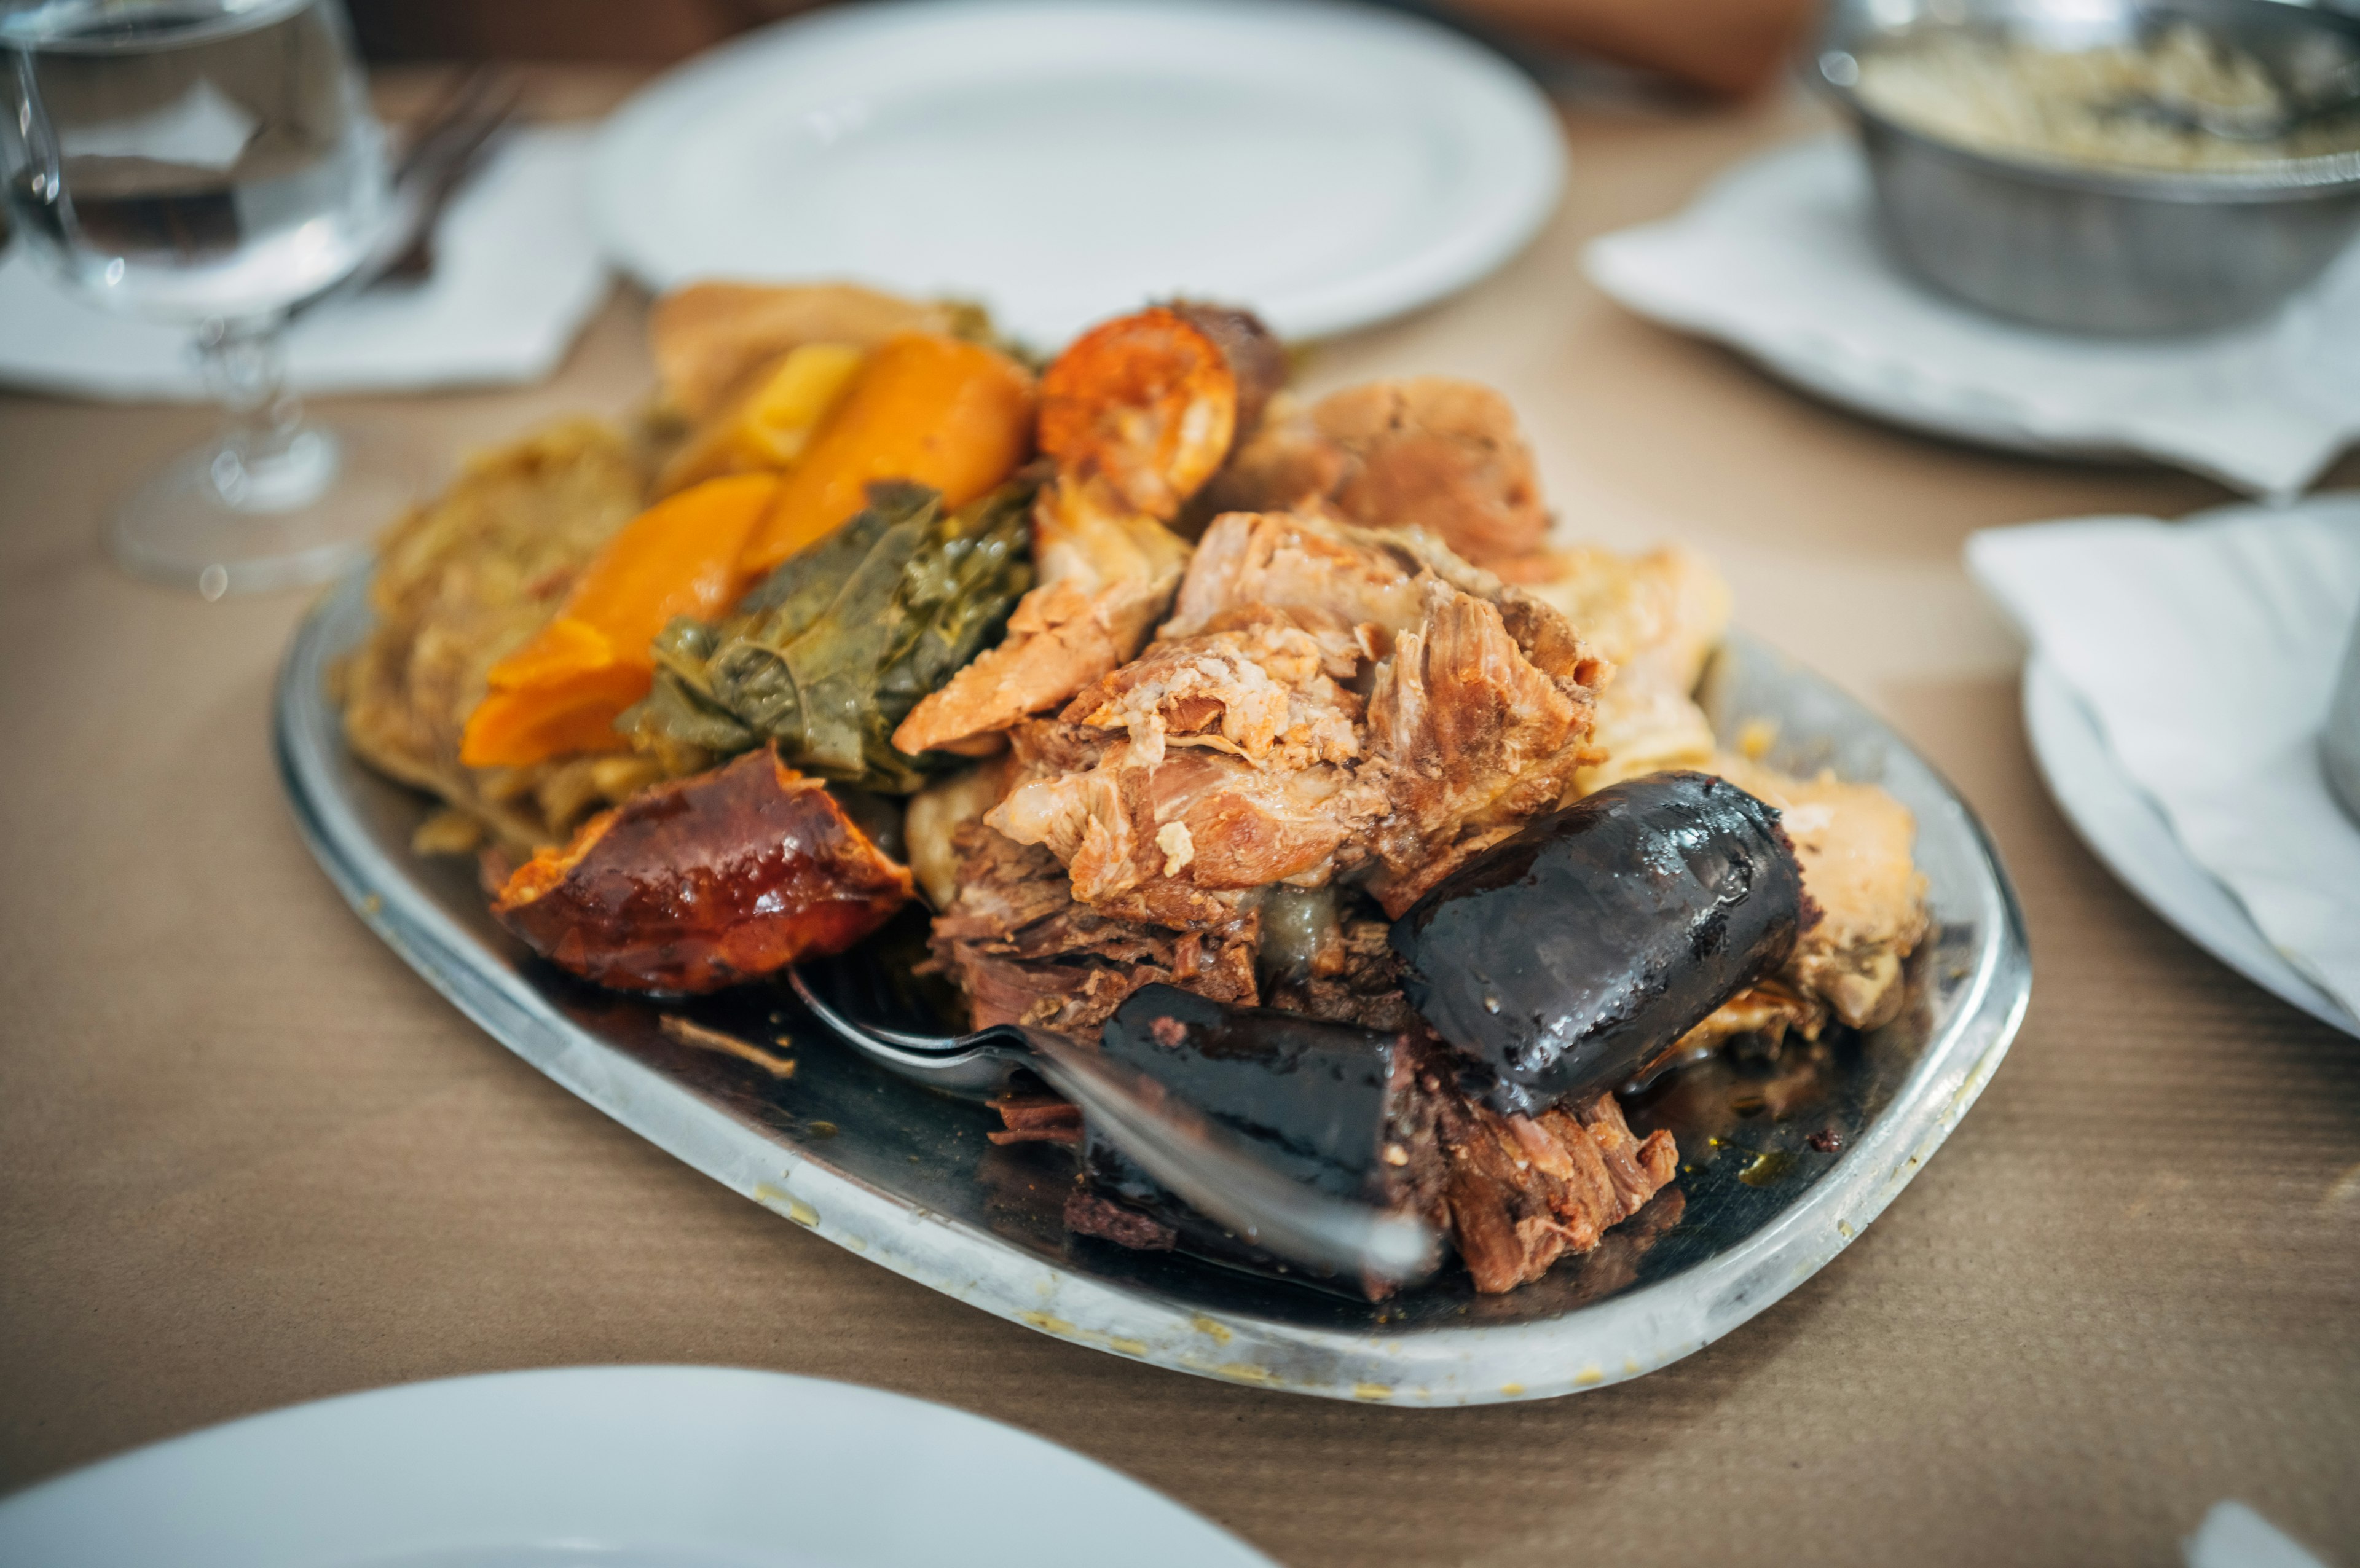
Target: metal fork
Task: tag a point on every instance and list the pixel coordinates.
(1209, 1167)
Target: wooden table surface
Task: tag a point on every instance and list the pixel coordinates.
(247, 1158)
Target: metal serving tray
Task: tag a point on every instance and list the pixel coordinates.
(907, 1179)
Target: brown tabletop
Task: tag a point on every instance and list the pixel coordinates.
(247, 1158)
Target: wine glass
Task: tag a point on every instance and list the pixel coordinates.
(208, 164)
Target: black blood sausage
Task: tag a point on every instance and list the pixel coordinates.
(1328, 1104)
(1573, 955)
(1314, 1097)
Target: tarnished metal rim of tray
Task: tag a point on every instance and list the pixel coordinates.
(1983, 988)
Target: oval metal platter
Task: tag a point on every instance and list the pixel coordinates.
(908, 1179)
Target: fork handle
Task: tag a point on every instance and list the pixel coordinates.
(1218, 1173)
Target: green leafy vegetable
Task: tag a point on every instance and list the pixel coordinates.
(832, 651)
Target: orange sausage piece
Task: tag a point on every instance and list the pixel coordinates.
(561, 691)
(934, 410)
(705, 882)
(1149, 402)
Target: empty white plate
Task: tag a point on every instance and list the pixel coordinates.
(1065, 160)
(2124, 829)
(608, 1467)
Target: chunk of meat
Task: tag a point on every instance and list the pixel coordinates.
(1766, 1011)
(1258, 689)
(705, 882)
(1025, 952)
(1061, 637)
(1255, 357)
(1354, 589)
(1523, 1191)
(1362, 985)
(1037, 1118)
(1150, 403)
(1231, 772)
(1180, 843)
(1854, 841)
(1656, 617)
(1244, 762)
(1428, 452)
(1474, 738)
(1137, 414)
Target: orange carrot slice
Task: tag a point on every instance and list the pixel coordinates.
(934, 410)
(561, 691)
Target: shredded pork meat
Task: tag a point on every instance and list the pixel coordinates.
(1428, 452)
(1523, 1191)
(1026, 951)
(1233, 755)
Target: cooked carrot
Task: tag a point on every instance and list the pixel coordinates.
(560, 692)
(554, 717)
(934, 410)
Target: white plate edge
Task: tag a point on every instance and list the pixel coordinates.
(2049, 705)
(1434, 274)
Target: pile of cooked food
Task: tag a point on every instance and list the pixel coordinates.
(1272, 745)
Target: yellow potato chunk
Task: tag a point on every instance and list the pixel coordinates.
(766, 427)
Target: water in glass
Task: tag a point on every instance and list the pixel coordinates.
(206, 163)
(187, 162)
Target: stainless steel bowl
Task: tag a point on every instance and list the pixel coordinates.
(2116, 250)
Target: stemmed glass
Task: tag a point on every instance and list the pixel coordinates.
(209, 164)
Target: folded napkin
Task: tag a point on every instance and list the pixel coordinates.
(2206, 650)
(1779, 258)
(2234, 1536)
(516, 271)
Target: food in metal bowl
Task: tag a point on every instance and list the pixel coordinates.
(2125, 168)
(2183, 100)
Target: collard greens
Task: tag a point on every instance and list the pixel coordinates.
(832, 651)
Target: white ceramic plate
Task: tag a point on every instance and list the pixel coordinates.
(608, 1467)
(2125, 830)
(1065, 160)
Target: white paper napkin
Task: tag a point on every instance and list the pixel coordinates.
(2234, 1536)
(1778, 258)
(2206, 652)
(516, 271)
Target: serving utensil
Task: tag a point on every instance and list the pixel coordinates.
(1209, 1167)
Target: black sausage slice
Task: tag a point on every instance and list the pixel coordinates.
(1575, 955)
